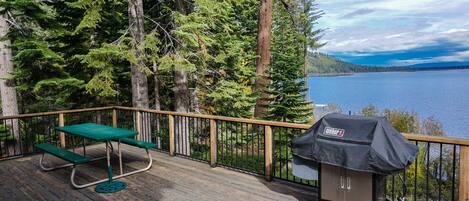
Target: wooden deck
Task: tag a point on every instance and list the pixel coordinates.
(170, 178)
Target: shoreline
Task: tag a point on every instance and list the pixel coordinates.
(385, 71)
(331, 75)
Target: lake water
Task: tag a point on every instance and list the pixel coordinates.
(442, 94)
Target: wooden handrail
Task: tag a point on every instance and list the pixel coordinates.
(55, 112)
(436, 139)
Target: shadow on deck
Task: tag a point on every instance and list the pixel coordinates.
(170, 178)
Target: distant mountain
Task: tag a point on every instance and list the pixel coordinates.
(322, 64)
(441, 65)
(319, 63)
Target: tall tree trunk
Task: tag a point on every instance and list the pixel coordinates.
(157, 86)
(181, 94)
(157, 102)
(264, 37)
(139, 79)
(182, 97)
(7, 87)
(181, 90)
(195, 101)
(305, 48)
(305, 67)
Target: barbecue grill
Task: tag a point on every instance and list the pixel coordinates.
(355, 154)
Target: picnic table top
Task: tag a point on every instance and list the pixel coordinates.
(96, 132)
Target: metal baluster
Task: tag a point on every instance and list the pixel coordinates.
(392, 188)
(252, 149)
(231, 143)
(453, 173)
(404, 187)
(286, 152)
(439, 171)
(236, 143)
(415, 173)
(427, 171)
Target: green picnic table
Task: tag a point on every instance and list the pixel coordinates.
(99, 133)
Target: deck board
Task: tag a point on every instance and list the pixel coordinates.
(170, 178)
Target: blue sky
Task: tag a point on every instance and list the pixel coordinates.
(396, 32)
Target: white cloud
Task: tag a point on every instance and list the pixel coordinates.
(393, 25)
(454, 31)
(395, 35)
(456, 57)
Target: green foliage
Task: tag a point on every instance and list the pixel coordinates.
(5, 134)
(82, 48)
(406, 122)
(370, 111)
(104, 60)
(403, 121)
(48, 72)
(57, 91)
(92, 15)
(214, 42)
(418, 172)
(232, 99)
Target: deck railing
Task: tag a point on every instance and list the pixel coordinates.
(440, 172)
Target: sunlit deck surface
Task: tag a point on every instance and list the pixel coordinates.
(170, 178)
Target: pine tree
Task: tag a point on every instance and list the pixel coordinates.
(286, 89)
(264, 37)
(308, 16)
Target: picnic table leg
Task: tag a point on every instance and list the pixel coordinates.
(110, 186)
(84, 148)
(109, 168)
(120, 155)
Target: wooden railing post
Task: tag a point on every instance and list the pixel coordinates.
(138, 124)
(268, 152)
(464, 173)
(114, 118)
(171, 135)
(61, 134)
(213, 142)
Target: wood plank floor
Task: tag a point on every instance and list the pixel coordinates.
(170, 178)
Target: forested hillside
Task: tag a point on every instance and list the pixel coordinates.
(324, 64)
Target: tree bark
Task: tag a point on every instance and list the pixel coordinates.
(139, 79)
(305, 48)
(264, 37)
(181, 90)
(305, 67)
(7, 87)
(182, 97)
(157, 87)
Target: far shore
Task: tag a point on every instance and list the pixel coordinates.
(330, 74)
(386, 71)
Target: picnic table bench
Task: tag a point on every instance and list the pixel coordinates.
(63, 153)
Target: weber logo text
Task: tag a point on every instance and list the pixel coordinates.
(336, 132)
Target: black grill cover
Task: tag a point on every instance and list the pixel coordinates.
(356, 143)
